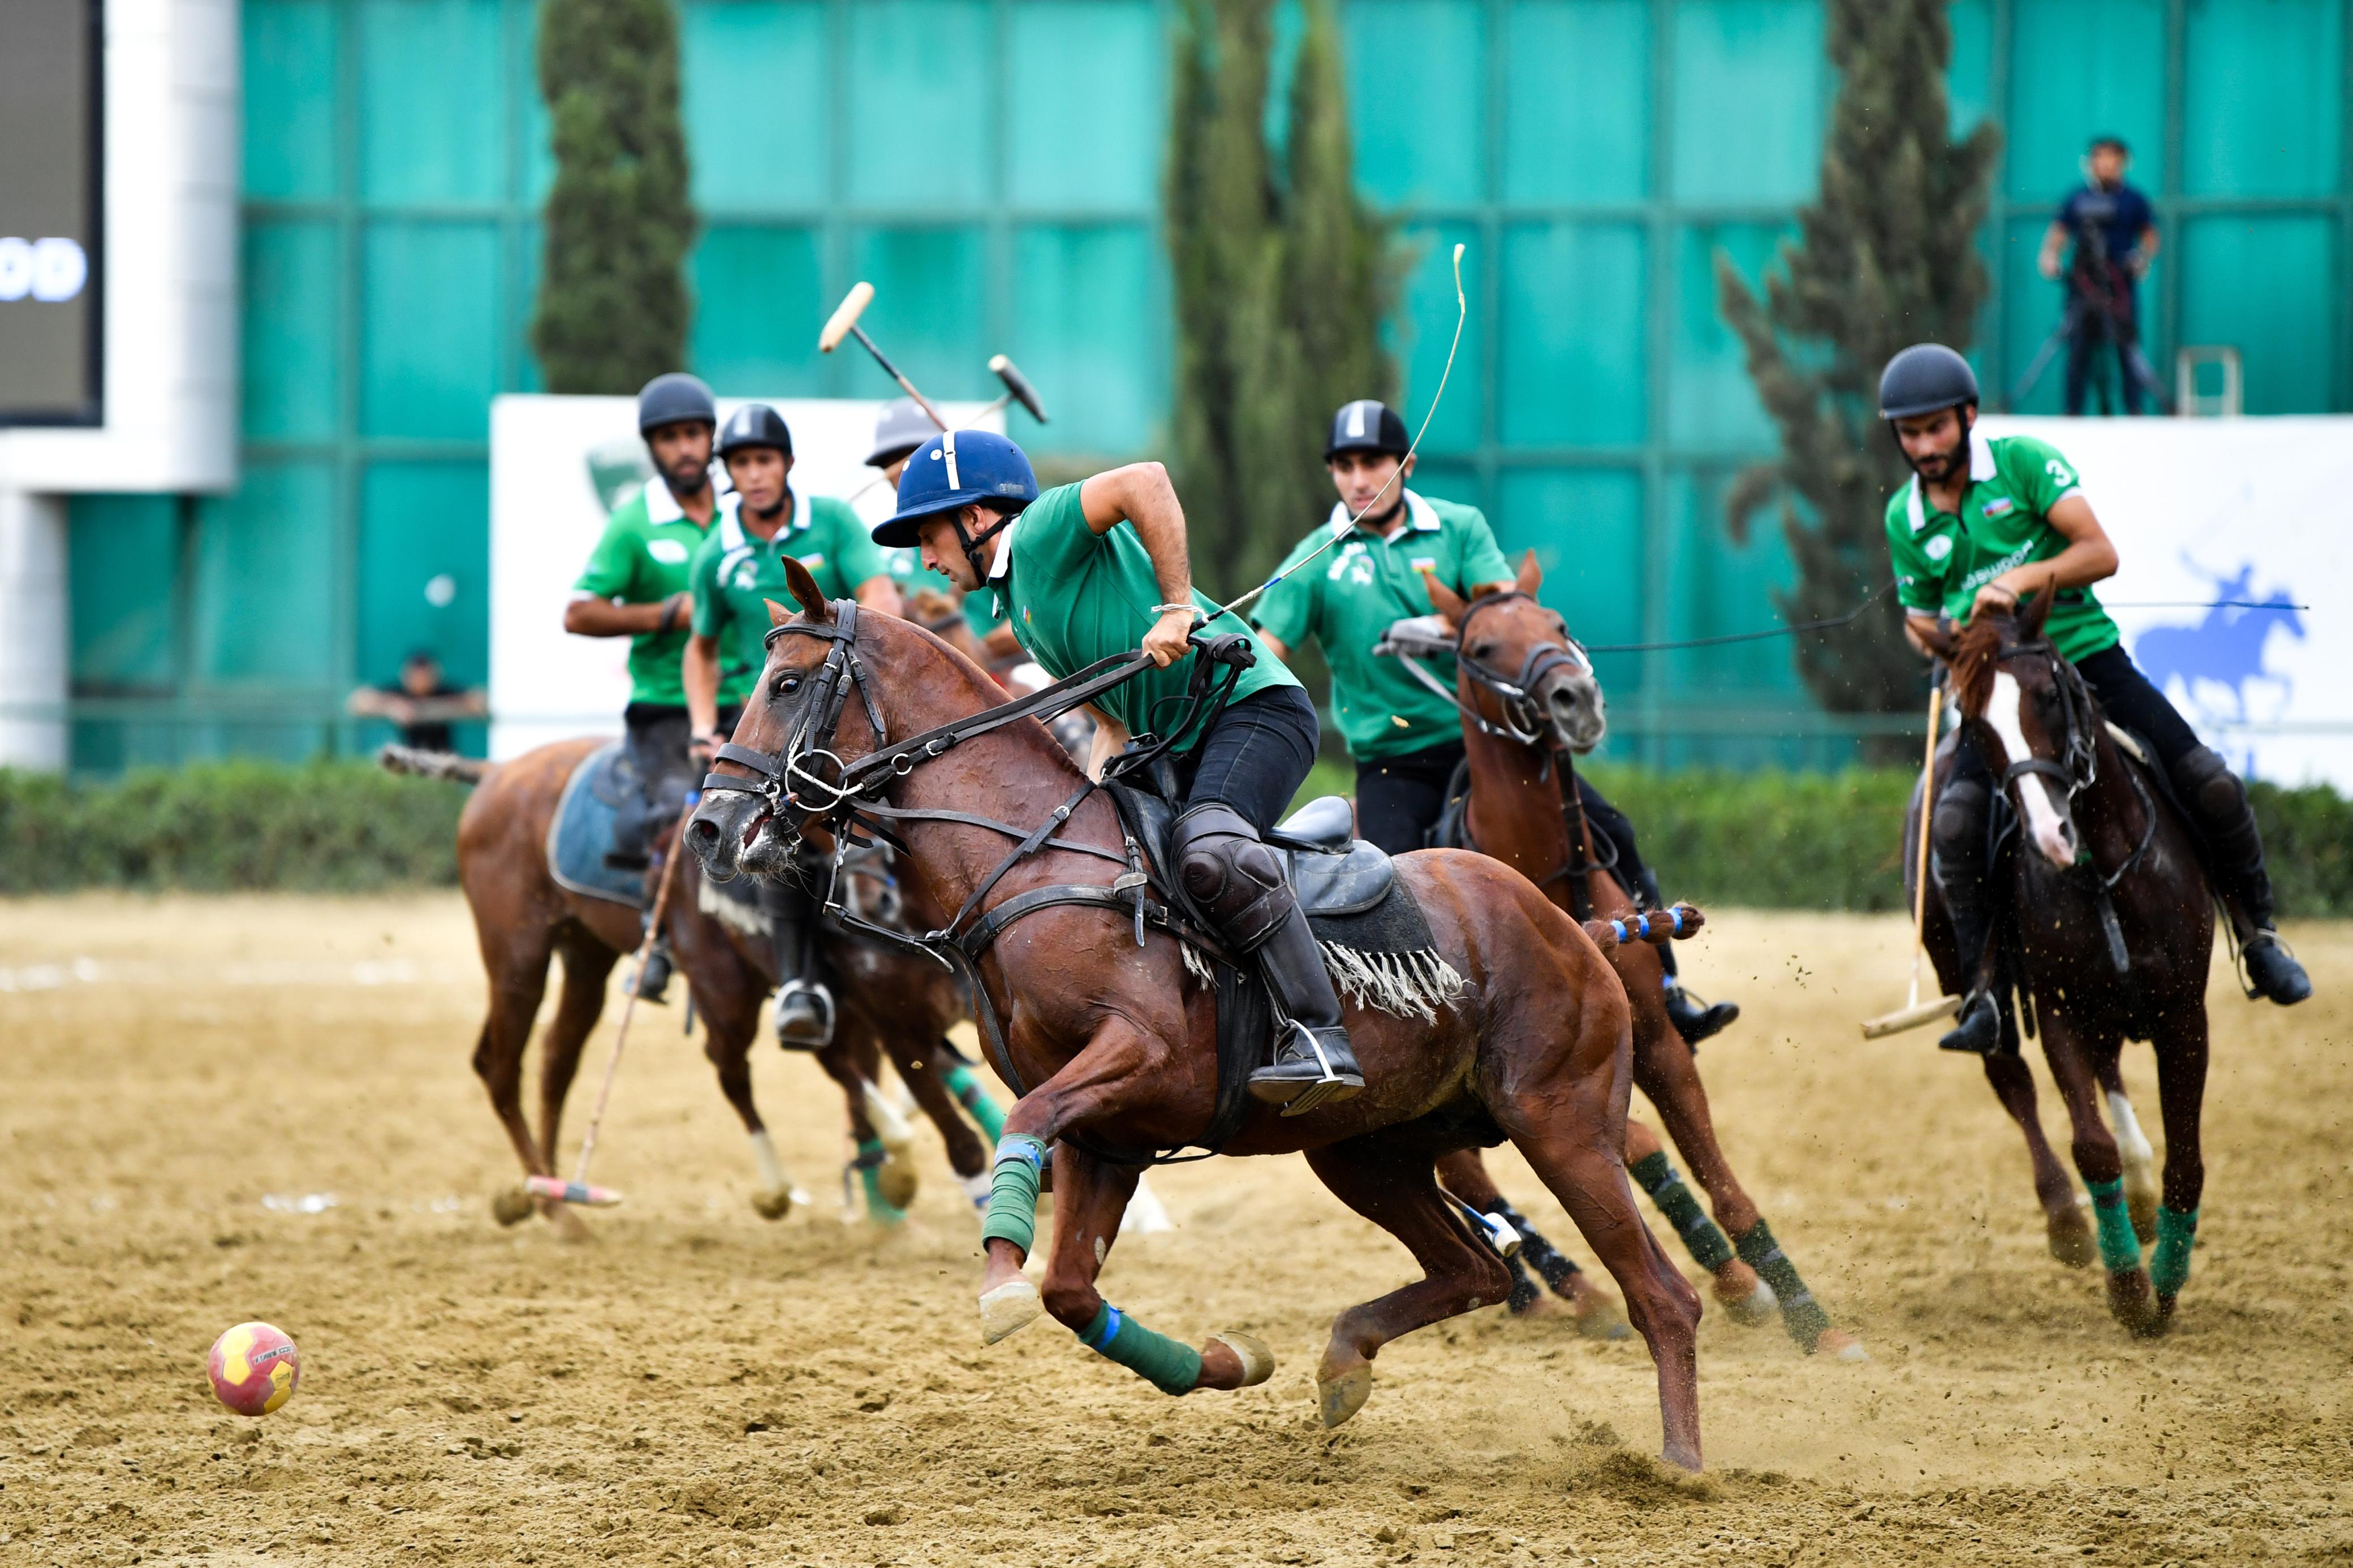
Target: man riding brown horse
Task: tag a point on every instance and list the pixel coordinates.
(1983, 524)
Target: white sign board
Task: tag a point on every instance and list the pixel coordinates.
(2210, 516)
(558, 465)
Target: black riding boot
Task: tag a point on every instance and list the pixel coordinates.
(2218, 806)
(1693, 1018)
(1958, 832)
(1238, 884)
(652, 977)
(804, 1003)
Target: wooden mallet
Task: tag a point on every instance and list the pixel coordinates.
(843, 324)
(1916, 1012)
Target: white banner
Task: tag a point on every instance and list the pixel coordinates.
(2206, 511)
(558, 465)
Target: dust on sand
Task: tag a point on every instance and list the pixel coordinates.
(698, 1385)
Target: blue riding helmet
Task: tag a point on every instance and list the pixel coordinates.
(955, 469)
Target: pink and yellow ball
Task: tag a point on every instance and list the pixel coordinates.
(253, 1368)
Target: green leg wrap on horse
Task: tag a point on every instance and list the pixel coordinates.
(2169, 1266)
(879, 1209)
(1800, 1313)
(976, 1100)
(2119, 1247)
(1158, 1359)
(1013, 1192)
(1658, 1177)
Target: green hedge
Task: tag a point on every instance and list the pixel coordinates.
(1765, 840)
(213, 827)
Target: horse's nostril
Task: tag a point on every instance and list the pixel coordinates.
(702, 831)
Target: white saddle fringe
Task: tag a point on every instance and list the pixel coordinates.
(1403, 984)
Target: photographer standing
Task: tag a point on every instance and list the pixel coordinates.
(2114, 231)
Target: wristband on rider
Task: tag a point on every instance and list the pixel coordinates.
(1171, 609)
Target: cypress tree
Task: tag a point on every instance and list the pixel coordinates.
(612, 305)
(1281, 286)
(1887, 257)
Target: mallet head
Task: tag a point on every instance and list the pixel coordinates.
(845, 316)
(1018, 385)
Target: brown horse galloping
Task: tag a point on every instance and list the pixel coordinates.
(2115, 931)
(1121, 1049)
(522, 919)
(1518, 734)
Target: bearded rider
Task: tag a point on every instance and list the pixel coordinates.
(1406, 740)
(635, 586)
(741, 565)
(1984, 524)
(1087, 570)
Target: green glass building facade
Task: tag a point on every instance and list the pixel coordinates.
(993, 167)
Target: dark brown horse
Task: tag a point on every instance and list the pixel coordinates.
(2114, 935)
(1519, 731)
(891, 1001)
(1119, 1048)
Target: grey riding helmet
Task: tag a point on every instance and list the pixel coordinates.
(899, 429)
(672, 399)
(1923, 379)
(754, 425)
(1366, 424)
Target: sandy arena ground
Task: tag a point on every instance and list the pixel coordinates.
(701, 1386)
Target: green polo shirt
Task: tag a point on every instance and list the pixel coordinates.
(1350, 594)
(1073, 596)
(1941, 559)
(735, 573)
(642, 558)
(907, 569)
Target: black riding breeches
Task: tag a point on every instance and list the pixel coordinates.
(656, 735)
(1400, 798)
(1255, 757)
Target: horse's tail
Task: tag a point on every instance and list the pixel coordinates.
(428, 764)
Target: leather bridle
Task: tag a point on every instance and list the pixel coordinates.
(1521, 719)
(2078, 767)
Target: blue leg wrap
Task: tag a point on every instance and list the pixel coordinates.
(2119, 1248)
(1013, 1192)
(1160, 1360)
(2169, 1267)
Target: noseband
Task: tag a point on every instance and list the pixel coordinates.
(782, 774)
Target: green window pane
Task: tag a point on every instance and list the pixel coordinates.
(1422, 328)
(1749, 93)
(1415, 73)
(2262, 285)
(122, 561)
(1585, 526)
(531, 263)
(429, 328)
(758, 302)
(266, 579)
(2264, 99)
(432, 100)
(290, 100)
(929, 313)
(921, 95)
(1572, 335)
(1711, 401)
(1089, 315)
(1577, 111)
(424, 569)
(291, 280)
(1968, 84)
(538, 128)
(2082, 69)
(1715, 586)
(757, 95)
(1089, 140)
(1454, 482)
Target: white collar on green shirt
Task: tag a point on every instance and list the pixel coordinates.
(1981, 468)
(733, 535)
(1419, 513)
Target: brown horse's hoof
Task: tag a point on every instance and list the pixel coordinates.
(2130, 1301)
(512, 1206)
(772, 1203)
(1256, 1360)
(1747, 1299)
(896, 1181)
(2141, 1198)
(1337, 1398)
(1008, 1309)
(2160, 1322)
(1838, 1345)
(2073, 1241)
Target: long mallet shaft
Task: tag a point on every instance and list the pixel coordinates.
(1916, 1012)
(843, 324)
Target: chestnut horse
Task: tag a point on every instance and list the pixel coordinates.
(1519, 731)
(2120, 945)
(1119, 1051)
(522, 919)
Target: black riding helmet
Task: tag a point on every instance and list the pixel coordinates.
(1366, 424)
(1923, 379)
(673, 398)
(754, 425)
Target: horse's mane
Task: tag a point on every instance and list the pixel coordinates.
(1974, 652)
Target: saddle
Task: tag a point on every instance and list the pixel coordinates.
(581, 833)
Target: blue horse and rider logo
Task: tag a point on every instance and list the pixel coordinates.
(2223, 654)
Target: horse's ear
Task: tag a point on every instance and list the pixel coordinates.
(804, 590)
(1531, 574)
(1443, 599)
(2032, 614)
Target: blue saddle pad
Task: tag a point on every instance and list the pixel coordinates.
(582, 833)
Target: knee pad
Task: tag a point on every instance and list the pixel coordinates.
(1957, 828)
(2208, 787)
(1230, 873)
